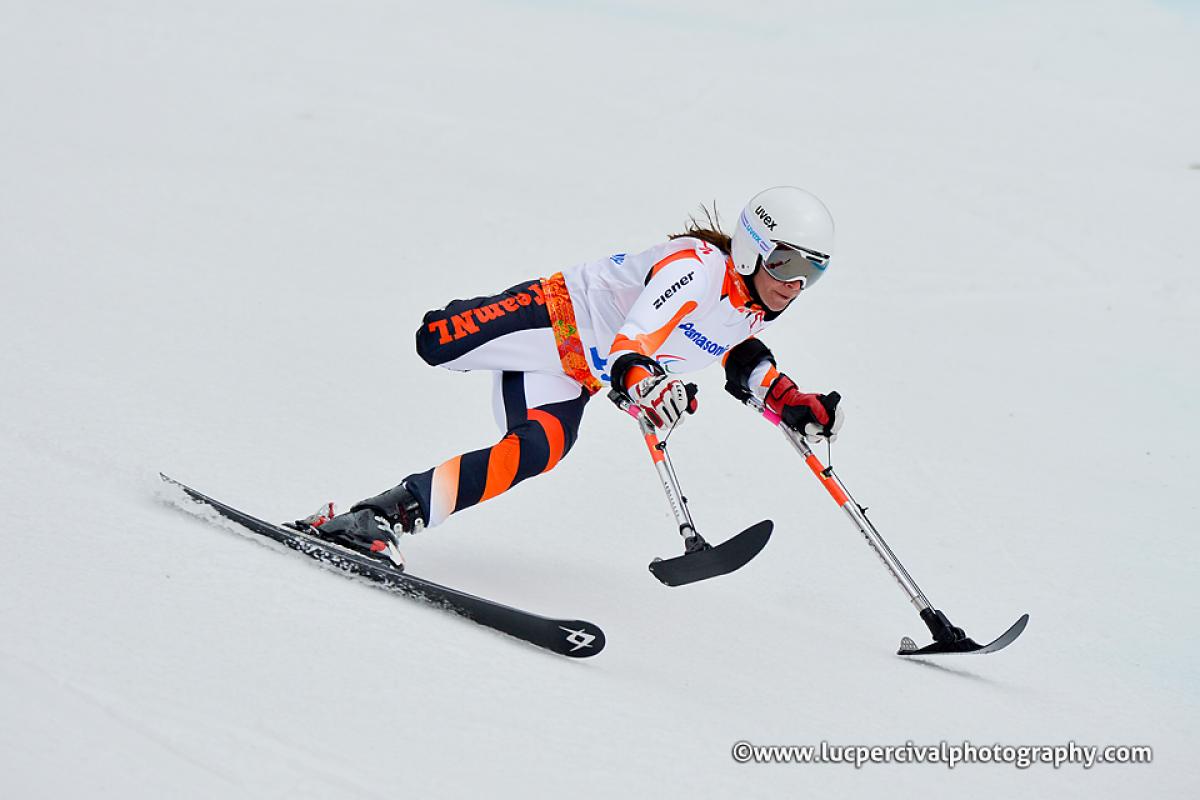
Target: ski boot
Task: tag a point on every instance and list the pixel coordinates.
(372, 526)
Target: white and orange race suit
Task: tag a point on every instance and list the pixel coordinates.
(680, 303)
(552, 343)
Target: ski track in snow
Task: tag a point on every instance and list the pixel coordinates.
(219, 225)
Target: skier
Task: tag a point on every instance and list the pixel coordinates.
(635, 321)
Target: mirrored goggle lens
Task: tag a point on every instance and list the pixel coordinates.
(789, 263)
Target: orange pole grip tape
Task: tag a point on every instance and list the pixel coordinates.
(830, 484)
(652, 446)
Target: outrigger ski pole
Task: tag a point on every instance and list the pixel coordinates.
(946, 637)
(700, 560)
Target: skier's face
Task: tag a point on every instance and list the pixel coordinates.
(775, 294)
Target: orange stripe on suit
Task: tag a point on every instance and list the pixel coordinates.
(671, 259)
(554, 435)
(503, 461)
(648, 343)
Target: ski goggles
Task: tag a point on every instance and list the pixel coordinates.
(789, 262)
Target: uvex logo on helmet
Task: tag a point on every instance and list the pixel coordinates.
(781, 214)
(766, 218)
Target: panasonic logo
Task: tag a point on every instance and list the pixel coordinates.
(700, 340)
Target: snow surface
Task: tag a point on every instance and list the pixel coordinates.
(221, 222)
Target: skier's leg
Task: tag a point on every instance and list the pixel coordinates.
(542, 415)
(526, 333)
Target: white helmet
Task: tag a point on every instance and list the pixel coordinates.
(786, 230)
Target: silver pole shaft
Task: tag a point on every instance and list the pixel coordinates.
(865, 527)
(670, 482)
(666, 475)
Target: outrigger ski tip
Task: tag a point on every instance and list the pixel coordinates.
(709, 562)
(964, 645)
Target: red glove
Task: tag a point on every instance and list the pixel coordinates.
(814, 415)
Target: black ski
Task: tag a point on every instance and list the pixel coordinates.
(966, 645)
(569, 637)
(720, 560)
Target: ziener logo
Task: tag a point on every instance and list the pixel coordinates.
(675, 287)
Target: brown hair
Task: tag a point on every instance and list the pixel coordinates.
(708, 230)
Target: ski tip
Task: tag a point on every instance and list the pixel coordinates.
(582, 639)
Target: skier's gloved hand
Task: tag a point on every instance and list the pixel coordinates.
(814, 415)
(664, 400)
